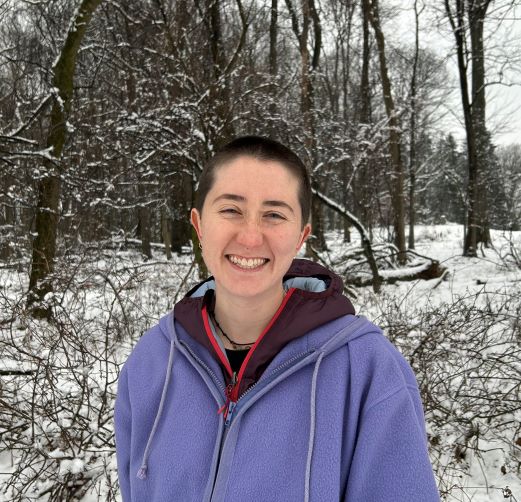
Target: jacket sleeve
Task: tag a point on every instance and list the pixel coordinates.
(123, 428)
(390, 461)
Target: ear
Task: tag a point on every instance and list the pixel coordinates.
(306, 231)
(195, 219)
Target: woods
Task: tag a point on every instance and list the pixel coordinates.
(109, 110)
(113, 145)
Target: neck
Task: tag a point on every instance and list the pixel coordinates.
(243, 319)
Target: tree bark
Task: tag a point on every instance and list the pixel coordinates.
(181, 196)
(144, 221)
(176, 229)
(343, 82)
(477, 10)
(273, 59)
(362, 180)
(49, 188)
(219, 91)
(273, 67)
(412, 130)
(473, 111)
(363, 113)
(397, 172)
(165, 232)
(308, 66)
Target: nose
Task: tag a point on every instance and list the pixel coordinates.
(250, 234)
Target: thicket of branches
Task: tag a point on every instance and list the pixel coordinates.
(59, 377)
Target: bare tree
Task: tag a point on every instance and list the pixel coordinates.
(412, 126)
(395, 141)
(47, 212)
(308, 67)
(467, 19)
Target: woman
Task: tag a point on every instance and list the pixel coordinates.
(262, 384)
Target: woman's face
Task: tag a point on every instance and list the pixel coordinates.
(250, 227)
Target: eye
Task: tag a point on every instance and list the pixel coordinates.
(229, 211)
(275, 216)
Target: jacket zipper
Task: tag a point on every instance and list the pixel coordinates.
(230, 405)
(233, 404)
(232, 390)
(227, 391)
(205, 366)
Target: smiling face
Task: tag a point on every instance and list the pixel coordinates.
(250, 227)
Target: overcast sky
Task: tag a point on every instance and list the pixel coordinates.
(503, 53)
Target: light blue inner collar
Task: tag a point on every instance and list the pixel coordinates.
(306, 283)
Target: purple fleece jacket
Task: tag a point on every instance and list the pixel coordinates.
(336, 416)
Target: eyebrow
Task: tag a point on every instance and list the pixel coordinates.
(240, 198)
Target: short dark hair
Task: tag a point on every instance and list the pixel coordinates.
(260, 148)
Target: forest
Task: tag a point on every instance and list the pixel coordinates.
(109, 110)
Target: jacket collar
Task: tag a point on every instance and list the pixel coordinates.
(314, 297)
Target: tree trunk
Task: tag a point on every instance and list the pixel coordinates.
(473, 112)
(397, 173)
(181, 197)
(458, 28)
(176, 229)
(49, 188)
(9, 221)
(165, 232)
(476, 15)
(273, 59)
(412, 132)
(273, 68)
(201, 265)
(219, 92)
(144, 221)
(345, 66)
(363, 182)
(308, 66)
(318, 243)
(363, 113)
(412, 193)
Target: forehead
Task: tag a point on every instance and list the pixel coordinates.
(252, 177)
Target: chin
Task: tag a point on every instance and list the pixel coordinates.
(246, 288)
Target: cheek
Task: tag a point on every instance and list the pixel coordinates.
(284, 243)
(215, 239)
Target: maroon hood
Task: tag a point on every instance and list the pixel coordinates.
(301, 311)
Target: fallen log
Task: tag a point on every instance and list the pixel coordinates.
(425, 270)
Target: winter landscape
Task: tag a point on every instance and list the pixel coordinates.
(407, 116)
(460, 332)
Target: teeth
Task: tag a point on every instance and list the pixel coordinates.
(247, 262)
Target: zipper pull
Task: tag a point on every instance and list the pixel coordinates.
(231, 385)
(229, 413)
(228, 392)
(229, 405)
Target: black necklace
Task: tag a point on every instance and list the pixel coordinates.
(235, 345)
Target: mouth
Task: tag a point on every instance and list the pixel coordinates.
(246, 263)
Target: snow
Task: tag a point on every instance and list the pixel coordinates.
(461, 335)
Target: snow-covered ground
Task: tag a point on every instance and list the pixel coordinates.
(462, 335)
(489, 285)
